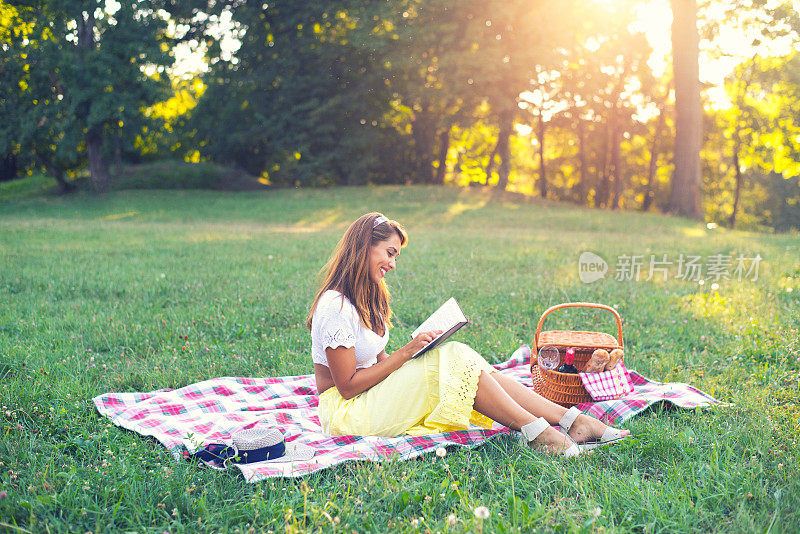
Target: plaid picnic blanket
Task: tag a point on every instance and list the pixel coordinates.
(186, 419)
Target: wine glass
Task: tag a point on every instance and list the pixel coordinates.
(548, 357)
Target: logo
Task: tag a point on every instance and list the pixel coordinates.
(591, 267)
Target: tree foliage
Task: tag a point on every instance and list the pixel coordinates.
(556, 99)
(77, 74)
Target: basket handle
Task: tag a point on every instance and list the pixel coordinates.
(576, 305)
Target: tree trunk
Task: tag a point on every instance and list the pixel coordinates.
(423, 133)
(64, 187)
(737, 146)
(616, 165)
(118, 150)
(615, 176)
(56, 172)
(540, 129)
(649, 193)
(98, 168)
(685, 195)
(444, 146)
(504, 150)
(457, 168)
(490, 165)
(8, 167)
(580, 188)
(601, 199)
(742, 87)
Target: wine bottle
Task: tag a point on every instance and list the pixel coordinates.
(569, 359)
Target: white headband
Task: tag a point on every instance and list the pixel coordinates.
(380, 220)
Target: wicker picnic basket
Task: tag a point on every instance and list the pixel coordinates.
(567, 389)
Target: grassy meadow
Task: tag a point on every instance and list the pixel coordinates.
(141, 290)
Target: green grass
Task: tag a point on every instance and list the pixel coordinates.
(34, 186)
(174, 174)
(95, 293)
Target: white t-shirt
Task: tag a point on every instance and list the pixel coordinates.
(336, 324)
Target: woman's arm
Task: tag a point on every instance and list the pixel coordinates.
(351, 381)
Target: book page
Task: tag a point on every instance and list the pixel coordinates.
(445, 318)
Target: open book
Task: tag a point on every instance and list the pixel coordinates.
(448, 318)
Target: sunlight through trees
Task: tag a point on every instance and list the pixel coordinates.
(571, 101)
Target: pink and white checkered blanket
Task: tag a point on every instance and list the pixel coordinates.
(608, 385)
(185, 419)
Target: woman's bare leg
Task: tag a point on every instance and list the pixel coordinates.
(585, 427)
(494, 402)
(530, 400)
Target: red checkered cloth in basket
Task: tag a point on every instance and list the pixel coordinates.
(608, 385)
(186, 419)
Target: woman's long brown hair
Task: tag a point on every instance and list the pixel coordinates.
(347, 271)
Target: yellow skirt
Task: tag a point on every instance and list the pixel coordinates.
(432, 393)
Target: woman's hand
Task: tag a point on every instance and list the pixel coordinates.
(422, 340)
(351, 381)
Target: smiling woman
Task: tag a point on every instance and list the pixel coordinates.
(366, 391)
(382, 256)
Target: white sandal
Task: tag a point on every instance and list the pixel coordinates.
(567, 419)
(534, 429)
(610, 435)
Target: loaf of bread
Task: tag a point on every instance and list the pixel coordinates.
(614, 358)
(597, 362)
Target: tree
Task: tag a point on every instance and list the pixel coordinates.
(685, 196)
(759, 88)
(741, 118)
(449, 63)
(603, 80)
(304, 98)
(655, 148)
(426, 76)
(772, 19)
(38, 124)
(542, 103)
(763, 132)
(84, 70)
(509, 59)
